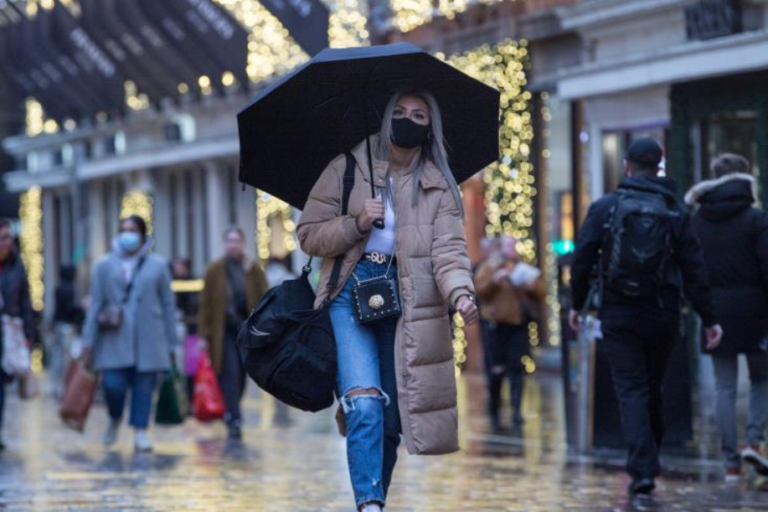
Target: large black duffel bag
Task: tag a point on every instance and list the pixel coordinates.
(287, 347)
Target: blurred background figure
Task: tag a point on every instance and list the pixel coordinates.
(510, 292)
(234, 284)
(734, 236)
(130, 327)
(14, 301)
(488, 246)
(67, 321)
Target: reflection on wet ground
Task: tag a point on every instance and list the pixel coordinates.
(292, 461)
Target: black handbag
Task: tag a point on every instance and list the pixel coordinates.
(288, 348)
(376, 298)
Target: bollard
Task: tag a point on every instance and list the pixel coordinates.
(585, 384)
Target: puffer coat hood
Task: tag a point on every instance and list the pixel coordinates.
(723, 198)
(433, 272)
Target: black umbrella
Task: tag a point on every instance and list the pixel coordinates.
(296, 126)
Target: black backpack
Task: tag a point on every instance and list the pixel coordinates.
(640, 236)
(288, 347)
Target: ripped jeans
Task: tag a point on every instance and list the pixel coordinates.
(366, 367)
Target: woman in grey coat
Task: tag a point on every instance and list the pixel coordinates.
(130, 326)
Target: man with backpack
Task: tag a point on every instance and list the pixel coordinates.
(641, 241)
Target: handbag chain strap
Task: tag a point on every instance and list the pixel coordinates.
(386, 274)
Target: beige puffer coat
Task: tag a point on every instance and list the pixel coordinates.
(433, 270)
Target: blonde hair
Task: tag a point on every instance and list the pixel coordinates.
(434, 148)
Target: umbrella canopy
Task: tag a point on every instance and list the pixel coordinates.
(295, 127)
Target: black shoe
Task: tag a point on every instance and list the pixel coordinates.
(234, 431)
(2, 446)
(517, 420)
(642, 486)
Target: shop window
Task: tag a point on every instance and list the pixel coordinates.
(734, 132)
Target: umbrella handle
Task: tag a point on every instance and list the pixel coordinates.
(378, 223)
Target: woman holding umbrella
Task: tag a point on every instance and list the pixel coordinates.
(395, 375)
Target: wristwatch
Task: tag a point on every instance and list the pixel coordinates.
(469, 296)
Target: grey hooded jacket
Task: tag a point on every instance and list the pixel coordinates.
(147, 333)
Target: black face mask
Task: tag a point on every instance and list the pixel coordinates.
(408, 134)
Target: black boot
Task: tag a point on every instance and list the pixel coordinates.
(644, 485)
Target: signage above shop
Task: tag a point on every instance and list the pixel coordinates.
(709, 19)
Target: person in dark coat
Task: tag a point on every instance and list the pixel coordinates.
(67, 318)
(14, 300)
(639, 333)
(734, 235)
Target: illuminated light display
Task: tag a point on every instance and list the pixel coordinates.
(31, 240)
(409, 14)
(271, 210)
(137, 202)
(133, 98)
(459, 343)
(510, 183)
(35, 122)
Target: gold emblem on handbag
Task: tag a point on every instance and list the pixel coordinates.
(377, 298)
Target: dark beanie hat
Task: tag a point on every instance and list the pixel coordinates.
(645, 152)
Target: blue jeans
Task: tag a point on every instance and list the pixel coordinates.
(366, 359)
(142, 384)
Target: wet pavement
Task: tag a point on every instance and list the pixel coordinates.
(290, 461)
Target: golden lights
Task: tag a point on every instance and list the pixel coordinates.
(409, 14)
(133, 98)
(31, 239)
(274, 219)
(271, 50)
(137, 202)
(510, 183)
(459, 342)
(35, 122)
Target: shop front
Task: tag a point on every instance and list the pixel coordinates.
(721, 115)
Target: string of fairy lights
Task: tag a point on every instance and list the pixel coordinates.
(410, 14)
(31, 241)
(510, 184)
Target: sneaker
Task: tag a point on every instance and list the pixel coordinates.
(141, 442)
(642, 486)
(110, 436)
(753, 455)
(732, 475)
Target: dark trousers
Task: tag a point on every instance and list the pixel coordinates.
(232, 377)
(639, 347)
(508, 345)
